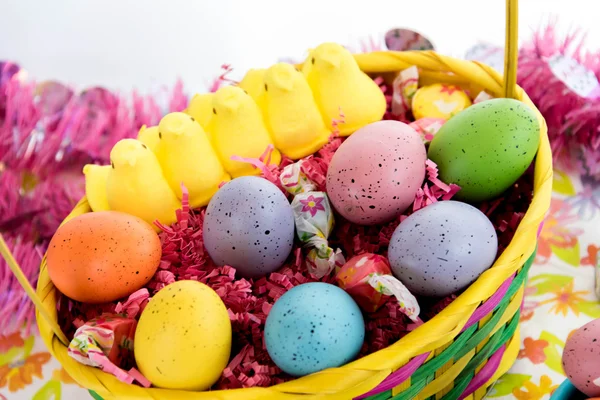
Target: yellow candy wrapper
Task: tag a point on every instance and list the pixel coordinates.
(439, 101)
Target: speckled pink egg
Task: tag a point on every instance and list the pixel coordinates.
(581, 358)
(375, 174)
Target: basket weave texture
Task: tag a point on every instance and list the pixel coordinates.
(459, 353)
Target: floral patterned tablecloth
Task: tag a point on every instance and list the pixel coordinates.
(559, 298)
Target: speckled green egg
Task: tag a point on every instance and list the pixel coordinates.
(486, 148)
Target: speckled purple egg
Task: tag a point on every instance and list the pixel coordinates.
(249, 225)
(581, 358)
(442, 248)
(375, 174)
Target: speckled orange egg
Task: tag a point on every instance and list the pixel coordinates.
(103, 256)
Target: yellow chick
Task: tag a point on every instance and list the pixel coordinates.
(186, 155)
(338, 84)
(238, 129)
(200, 108)
(291, 114)
(136, 184)
(149, 136)
(95, 186)
(254, 84)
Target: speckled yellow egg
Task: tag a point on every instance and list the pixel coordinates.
(183, 338)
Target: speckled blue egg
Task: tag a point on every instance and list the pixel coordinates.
(249, 225)
(312, 327)
(442, 248)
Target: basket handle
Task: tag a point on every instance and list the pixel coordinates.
(16, 270)
(511, 48)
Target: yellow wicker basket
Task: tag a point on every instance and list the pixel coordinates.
(457, 354)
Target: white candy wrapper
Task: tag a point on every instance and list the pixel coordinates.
(390, 286)
(405, 86)
(482, 96)
(314, 220)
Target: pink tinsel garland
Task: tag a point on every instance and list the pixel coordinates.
(573, 121)
(47, 134)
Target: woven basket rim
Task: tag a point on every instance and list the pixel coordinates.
(362, 375)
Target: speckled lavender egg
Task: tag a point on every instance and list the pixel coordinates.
(581, 358)
(249, 225)
(312, 327)
(375, 174)
(442, 248)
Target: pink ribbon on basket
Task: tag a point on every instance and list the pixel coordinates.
(402, 374)
(488, 370)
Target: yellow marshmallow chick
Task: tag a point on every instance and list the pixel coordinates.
(200, 108)
(338, 84)
(238, 129)
(136, 184)
(95, 186)
(254, 84)
(149, 136)
(186, 155)
(291, 113)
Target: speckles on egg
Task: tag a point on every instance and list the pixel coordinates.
(183, 339)
(581, 358)
(103, 256)
(375, 174)
(312, 327)
(486, 147)
(442, 248)
(249, 225)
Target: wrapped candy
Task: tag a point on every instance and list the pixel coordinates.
(405, 86)
(427, 127)
(314, 220)
(482, 96)
(107, 343)
(368, 279)
(405, 40)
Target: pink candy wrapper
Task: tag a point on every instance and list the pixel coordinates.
(405, 86)
(107, 343)
(368, 279)
(314, 220)
(427, 127)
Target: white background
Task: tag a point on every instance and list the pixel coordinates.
(126, 44)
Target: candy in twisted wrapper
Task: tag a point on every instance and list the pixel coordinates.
(482, 96)
(368, 279)
(107, 343)
(314, 220)
(405, 86)
(294, 180)
(427, 127)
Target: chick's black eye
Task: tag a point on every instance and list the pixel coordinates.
(215, 111)
(266, 88)
(159, 135)
(144, 146)
(313, 61)
(245, 91)
(192, 118)
(112, 164)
